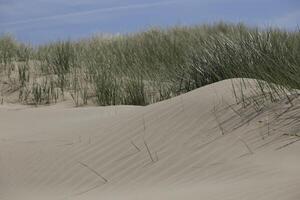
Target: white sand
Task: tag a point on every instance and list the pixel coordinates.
(58, 152)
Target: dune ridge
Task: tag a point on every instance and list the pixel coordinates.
(199, 145)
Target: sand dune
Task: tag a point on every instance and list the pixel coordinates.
(199, 145)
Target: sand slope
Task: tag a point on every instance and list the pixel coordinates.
(194, 146)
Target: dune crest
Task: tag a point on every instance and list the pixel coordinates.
(199, 145)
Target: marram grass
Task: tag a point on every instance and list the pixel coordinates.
(154, 65)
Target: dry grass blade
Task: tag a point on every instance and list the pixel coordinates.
(135, 146)
(288, 144)
(246, 145)
(94, 171)
(149, 152)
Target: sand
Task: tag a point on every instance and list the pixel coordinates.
(199, 145)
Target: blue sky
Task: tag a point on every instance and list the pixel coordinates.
(40, 21)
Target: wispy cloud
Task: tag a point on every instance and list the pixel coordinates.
(81, 13)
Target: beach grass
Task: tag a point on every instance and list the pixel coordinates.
(147, 67)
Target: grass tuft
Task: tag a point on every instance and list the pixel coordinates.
(157, 64)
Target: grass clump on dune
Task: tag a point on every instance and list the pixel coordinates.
(154, 65)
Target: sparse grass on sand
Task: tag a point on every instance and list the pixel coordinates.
(154, 65)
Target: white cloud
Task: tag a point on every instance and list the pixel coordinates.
(100, 10)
